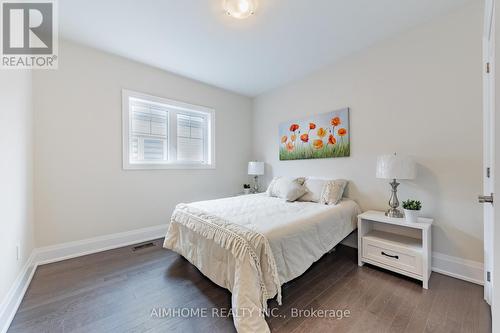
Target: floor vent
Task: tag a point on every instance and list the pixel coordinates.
(143, 246)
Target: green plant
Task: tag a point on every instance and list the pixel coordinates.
(412, 204)
(246, 185)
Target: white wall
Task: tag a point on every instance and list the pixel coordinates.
(16, 175)
(81, 189)
(419, 94)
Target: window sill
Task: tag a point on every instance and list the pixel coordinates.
(147, 166)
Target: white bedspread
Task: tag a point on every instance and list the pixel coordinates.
(256, 244)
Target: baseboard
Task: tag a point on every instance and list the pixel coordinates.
(12, 300)
(50, 254)
(459, 268)
(54, 253)
(463, 269)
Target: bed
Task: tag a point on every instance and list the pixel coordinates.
(253, 244)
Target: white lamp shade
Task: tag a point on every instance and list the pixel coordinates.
(395, 167)
(256, 168)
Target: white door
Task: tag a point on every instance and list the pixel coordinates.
(488, 144)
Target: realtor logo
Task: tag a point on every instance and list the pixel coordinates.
(29, 34)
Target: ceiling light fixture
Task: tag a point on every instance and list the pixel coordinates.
(240, 9)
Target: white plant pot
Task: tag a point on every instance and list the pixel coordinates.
(411, 216)
(246, 191)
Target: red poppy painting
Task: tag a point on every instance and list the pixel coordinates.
(321, 136)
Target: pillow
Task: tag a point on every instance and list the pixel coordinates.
(314, 189)
(333, 191)
(271, 188)
(324, 191)
(289, 189)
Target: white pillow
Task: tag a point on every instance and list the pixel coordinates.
(314, 188)
(333, 191)
(324, 191)
(289, 189)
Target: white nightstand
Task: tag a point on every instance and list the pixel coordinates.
(396, 245)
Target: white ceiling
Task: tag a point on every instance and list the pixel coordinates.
(283, 41)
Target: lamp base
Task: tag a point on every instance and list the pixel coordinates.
(394, 212)
(394, 202)
(255, 184)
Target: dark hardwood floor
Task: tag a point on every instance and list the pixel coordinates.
(125, 291)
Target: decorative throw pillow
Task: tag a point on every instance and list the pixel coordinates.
(324, 191)
(333, 191)
(315, 188)
(289, 189)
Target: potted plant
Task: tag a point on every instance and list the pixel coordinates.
(412, 209)
(246, 188)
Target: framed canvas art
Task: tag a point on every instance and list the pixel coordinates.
(324, 135)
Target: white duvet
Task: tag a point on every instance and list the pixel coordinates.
(253, 244)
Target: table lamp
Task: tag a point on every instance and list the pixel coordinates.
(395, 167)
(256, 169)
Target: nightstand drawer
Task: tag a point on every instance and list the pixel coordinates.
(389, 253)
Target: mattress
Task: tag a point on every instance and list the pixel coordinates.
(299, 233)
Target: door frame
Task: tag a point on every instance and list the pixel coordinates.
(488, 143)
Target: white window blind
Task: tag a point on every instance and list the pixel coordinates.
(160, 133)
(148, 131)
(190, 138)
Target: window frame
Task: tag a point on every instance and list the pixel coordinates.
(174, 107)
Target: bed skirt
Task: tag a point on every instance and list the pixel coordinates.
(232, 256)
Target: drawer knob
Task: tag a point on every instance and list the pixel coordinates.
(388, 255)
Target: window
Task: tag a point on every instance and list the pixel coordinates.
(161, 134)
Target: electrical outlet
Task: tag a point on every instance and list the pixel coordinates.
(18, 252)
